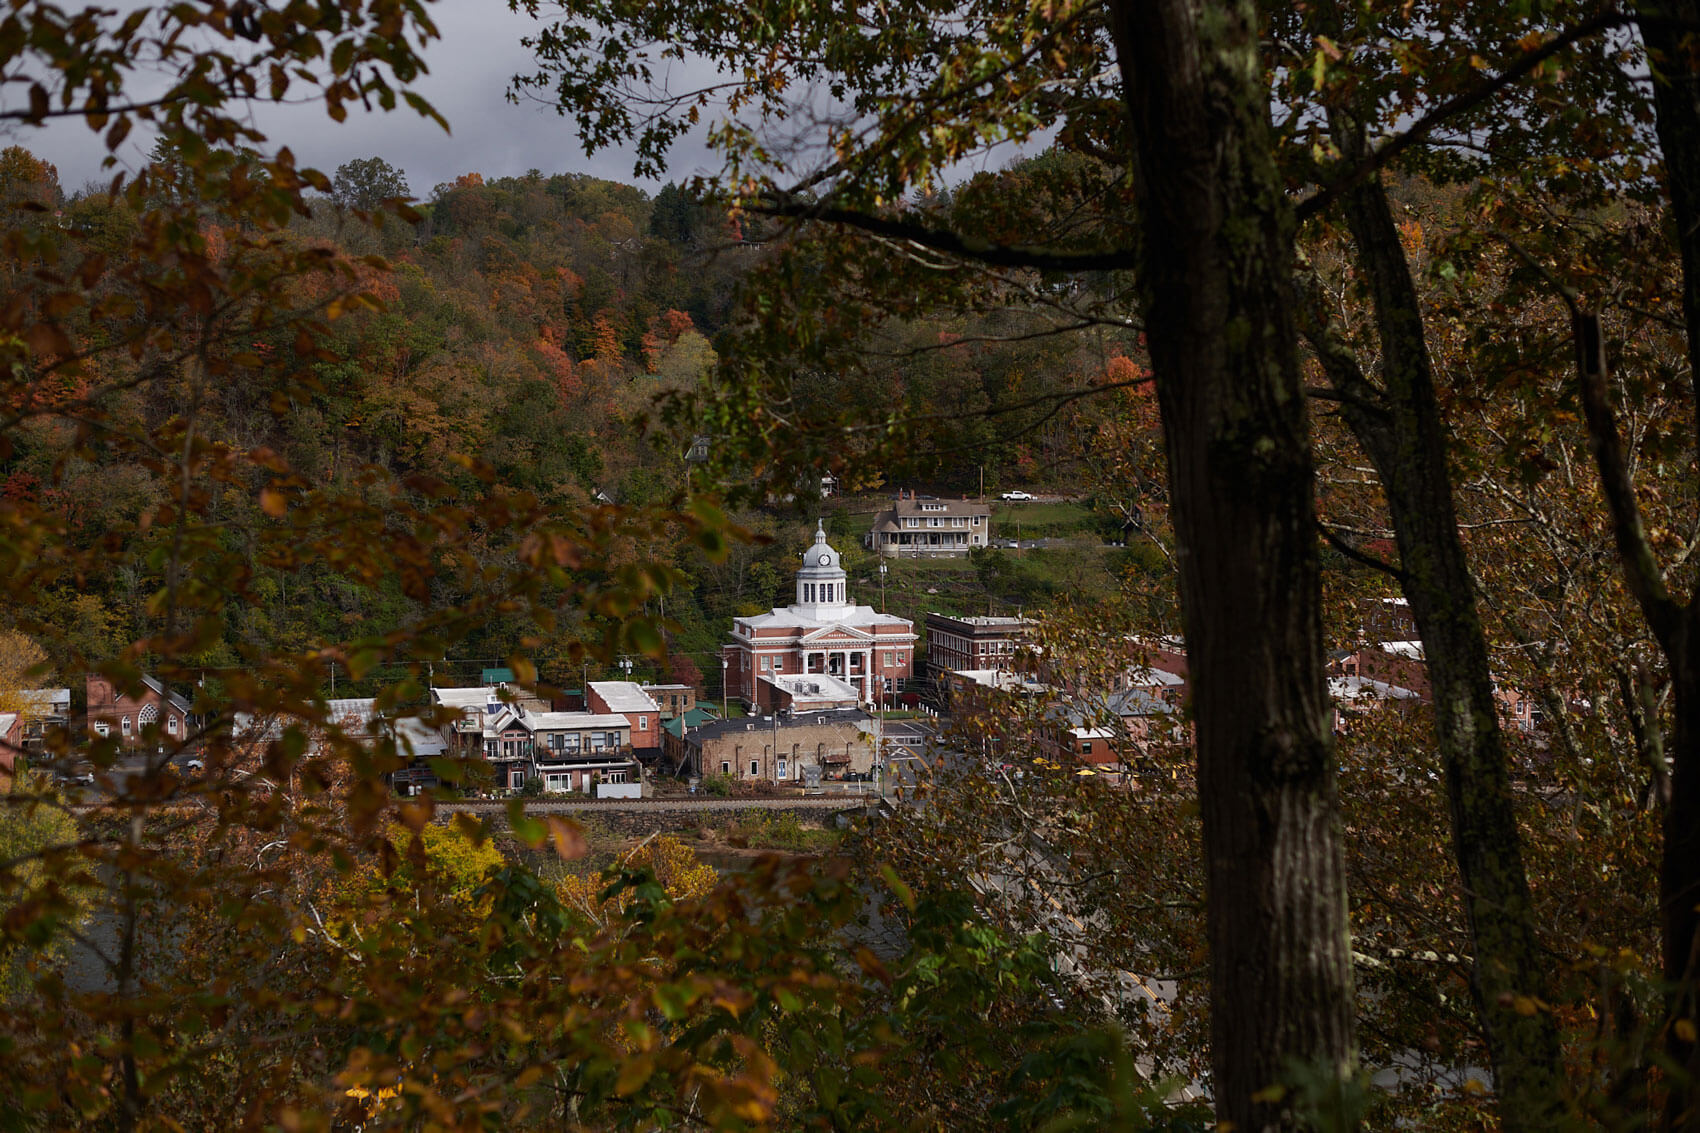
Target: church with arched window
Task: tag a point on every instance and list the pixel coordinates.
(821, 634)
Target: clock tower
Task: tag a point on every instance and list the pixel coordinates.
(822, 644)
(820, 582)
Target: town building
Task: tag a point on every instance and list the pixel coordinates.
(1398, 663)
(522, 738)
(11, 742)
(470, 715)
(628, 699)
(803, 692)
(128, 717)
(977, 642)
(573, 751)
(926, 526)
(674, 700)
(39, 709)
(821, 633)
(783, 748)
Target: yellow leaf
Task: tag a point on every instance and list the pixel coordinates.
(1685, 1030)
(273, 502)
(633, 1075)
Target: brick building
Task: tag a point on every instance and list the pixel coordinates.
(628, 699)
(674, 700)
(822, 632)
(973, 642)
(782, 748)
(128, 717)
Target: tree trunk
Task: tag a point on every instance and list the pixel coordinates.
(1400, 428)
(1671, 31)
(1217, 261)
(1673, 625)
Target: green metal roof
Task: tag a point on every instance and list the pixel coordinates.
(691, 719)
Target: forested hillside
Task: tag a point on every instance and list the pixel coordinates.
(1297, 316)
(528, 331)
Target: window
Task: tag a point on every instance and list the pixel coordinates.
(933, 522)
(643, 723)
(171, 725)
(1085, 747)
(766, 663)
(725, 767)
(102, 728)
(125, 723)
(755, 767)
(782, 769)
(553, 783)
(147, 716)
(516, 779)
(977, 520)
(889, 660)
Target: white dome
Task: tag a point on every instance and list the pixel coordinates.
(820, 580)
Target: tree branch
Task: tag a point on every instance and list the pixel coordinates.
(944, 240)
(1362, 558)
(1640, 566)
(1458, 104)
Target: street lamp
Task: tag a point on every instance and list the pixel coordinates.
(882, 585)
(725, 696)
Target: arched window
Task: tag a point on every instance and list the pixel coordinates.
(148, 715)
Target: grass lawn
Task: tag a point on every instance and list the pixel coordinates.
(1038, 520)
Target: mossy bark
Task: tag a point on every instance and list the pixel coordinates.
(1399, 426)
(1217, 260)
(1671, 31)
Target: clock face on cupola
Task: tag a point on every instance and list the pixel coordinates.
(820, 582)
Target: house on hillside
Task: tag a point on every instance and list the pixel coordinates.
(926, 526)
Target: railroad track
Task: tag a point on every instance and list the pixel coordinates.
(821, 802)
(557, 806)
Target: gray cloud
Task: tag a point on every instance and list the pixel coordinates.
(469, 71)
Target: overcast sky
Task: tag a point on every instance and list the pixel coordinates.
(470, 67)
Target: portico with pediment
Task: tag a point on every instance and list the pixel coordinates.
(821, 632)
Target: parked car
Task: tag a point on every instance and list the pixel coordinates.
(1018, 495)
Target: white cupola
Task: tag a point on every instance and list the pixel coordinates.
(820, 581)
